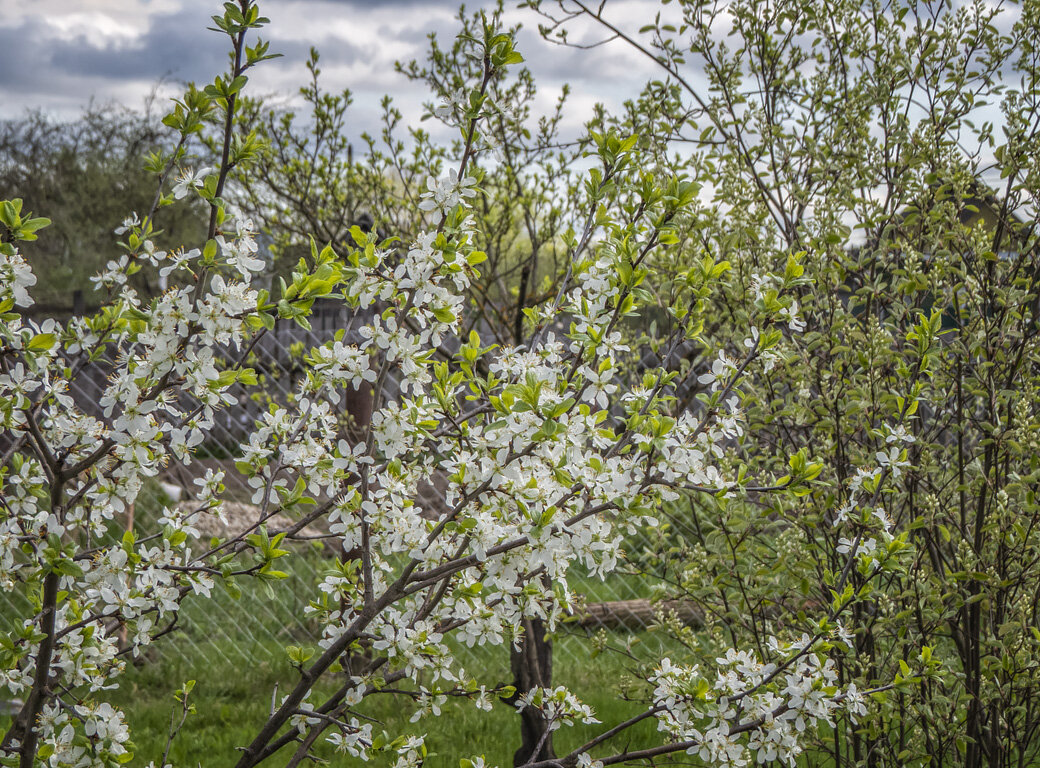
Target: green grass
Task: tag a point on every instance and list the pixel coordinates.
(232, 701)
(235, 651)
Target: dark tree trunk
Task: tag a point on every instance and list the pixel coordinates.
(532, 668)
(532, 663)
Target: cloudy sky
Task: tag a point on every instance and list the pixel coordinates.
(57, 54)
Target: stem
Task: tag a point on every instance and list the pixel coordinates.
(34, 705)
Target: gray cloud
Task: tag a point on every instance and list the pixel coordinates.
(372, 5)
(358, 39)
(414, 34)
(175, 43)
(22, 56)
(39, 60)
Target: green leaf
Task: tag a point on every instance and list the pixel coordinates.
(41, 341)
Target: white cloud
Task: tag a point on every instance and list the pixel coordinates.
(60, 53)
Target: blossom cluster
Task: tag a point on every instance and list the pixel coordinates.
(751, 709)
(874, 527)
(73, 473)
(557, 706)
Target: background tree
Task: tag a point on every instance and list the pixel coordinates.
(860, 134)
(89, 174)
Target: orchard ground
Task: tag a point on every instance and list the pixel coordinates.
(214, 639)
(232, 653)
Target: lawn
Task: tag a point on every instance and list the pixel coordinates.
(233, 699)
(236, 655)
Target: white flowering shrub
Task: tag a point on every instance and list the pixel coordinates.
(547, 459)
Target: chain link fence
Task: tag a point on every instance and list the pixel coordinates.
(229, 626)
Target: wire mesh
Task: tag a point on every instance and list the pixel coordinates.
(231, 628)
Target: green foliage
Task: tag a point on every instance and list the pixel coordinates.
(320, 181)
(849, 141)
(88, 175)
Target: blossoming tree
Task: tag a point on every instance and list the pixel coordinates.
(547, 461)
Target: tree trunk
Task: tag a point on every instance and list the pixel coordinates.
(532, 668)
